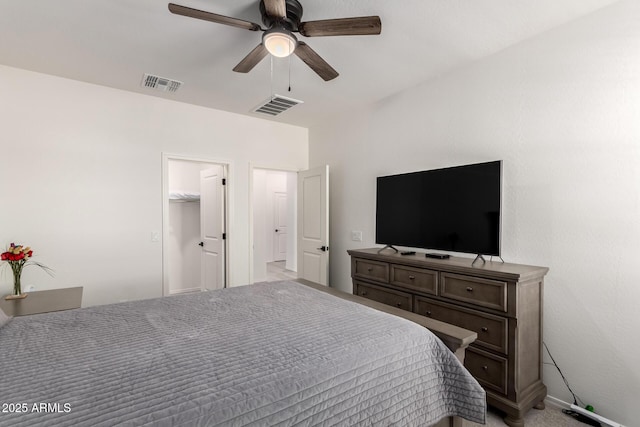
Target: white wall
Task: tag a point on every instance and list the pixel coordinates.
(85, 164)
(259, 225)
(184, 175)
(563, 112)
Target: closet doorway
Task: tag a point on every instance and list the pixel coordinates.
(274, 218)
(194, 225)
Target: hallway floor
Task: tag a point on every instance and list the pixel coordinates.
(276, 271)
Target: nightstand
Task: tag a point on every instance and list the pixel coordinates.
(43, 302)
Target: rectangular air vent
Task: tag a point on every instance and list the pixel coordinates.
(276, 105)
(160, 83)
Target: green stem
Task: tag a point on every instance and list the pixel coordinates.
(17, 267)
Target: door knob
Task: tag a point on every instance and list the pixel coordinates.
(323, 248)
(201, 244)
(277, 230)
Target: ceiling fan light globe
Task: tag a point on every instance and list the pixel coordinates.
(279, 43)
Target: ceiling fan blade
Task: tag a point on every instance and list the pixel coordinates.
(252, 59)
(276, 8)
(313, 60)
(361, 26)
(212, 17)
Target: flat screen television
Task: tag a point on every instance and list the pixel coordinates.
(451, 209)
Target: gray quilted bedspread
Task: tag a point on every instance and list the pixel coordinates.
(261, 355)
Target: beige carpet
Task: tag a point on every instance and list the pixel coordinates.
(552, 416)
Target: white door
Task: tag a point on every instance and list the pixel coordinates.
(313, 225)
(279, 226)
(212, 227)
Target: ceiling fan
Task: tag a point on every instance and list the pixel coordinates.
(283, 18)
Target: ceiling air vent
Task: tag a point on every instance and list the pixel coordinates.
(160, 83)
(276, 105)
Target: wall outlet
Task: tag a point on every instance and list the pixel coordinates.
(356, 236)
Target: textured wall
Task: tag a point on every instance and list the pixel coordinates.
(563, 112)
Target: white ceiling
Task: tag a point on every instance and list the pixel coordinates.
(114, 42)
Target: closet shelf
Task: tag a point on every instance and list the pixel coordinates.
(183, 196)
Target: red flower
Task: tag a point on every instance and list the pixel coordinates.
(20, 256)
(4, 256)
(30, 254)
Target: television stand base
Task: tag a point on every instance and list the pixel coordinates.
(390, 247)
(481, 258)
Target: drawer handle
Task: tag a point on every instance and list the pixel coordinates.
(485, 367)
(370, 269)
(469, 289)
(484, 329)
(412, 277)
(398, 304)
(428, 314)
(363, 293)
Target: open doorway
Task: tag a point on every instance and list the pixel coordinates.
(274, 225)
(194, 225)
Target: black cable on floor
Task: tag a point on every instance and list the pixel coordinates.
(576, 399)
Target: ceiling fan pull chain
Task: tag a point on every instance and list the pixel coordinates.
(271, 58)
(289, 73)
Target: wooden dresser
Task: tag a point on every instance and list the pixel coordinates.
(501, 302)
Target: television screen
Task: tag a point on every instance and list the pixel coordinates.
(451, 209)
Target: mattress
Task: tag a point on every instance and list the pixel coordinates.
(268, 354)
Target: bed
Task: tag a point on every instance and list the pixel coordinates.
(278, 353)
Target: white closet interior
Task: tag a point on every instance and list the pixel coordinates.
(184, 226)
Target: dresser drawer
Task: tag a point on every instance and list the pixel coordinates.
(474, 290)
(491, 329)
(490, 370)
(373, 270)
(386, 296)
(417, 279)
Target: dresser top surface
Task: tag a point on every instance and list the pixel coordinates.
(454, 264)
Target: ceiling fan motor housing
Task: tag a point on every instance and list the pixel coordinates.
(294, 16)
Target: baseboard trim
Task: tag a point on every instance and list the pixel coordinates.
(184, 291)
(554, 401)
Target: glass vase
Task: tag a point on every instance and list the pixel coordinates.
(16, 268)
(17, 288)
